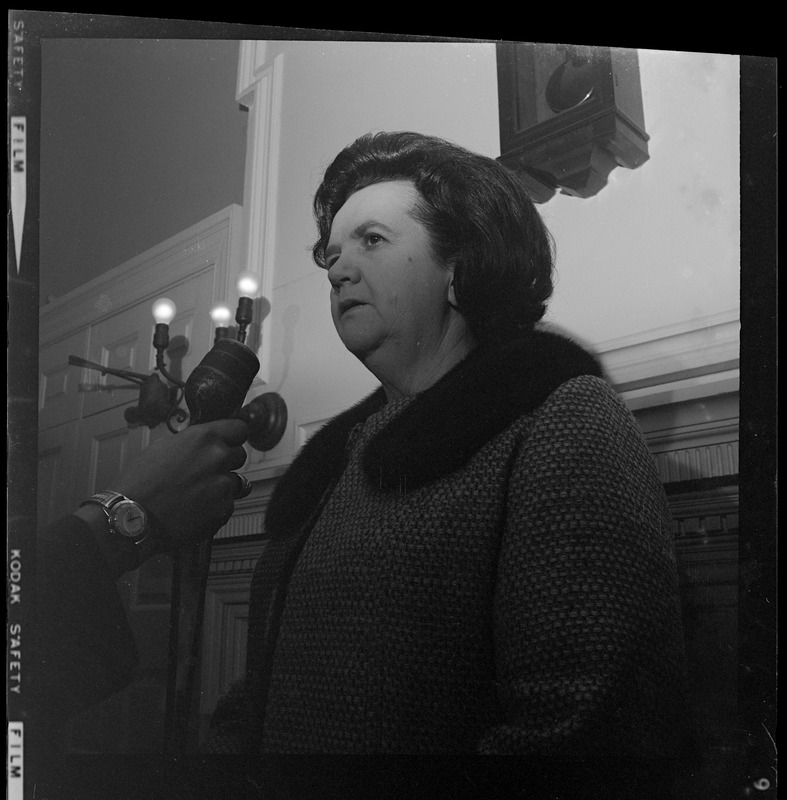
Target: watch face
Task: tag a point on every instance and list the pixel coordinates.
(130, 519)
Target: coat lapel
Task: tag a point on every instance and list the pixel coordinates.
(439, 431)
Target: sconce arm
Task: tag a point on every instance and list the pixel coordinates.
(162, 368)
(133, 377)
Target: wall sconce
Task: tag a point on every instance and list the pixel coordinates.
(216, 387)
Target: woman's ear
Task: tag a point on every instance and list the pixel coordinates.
(452, 295)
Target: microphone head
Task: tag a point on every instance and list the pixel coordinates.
(218, 385)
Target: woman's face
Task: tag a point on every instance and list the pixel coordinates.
(388, 293)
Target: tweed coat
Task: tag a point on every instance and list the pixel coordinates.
(486, 567)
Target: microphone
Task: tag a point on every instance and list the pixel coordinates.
(218, 385)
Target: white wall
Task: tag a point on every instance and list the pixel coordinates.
(658, 247)
(660, 244)
(332, 93)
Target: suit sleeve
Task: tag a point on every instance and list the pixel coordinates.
(587, 632)
(85, 647)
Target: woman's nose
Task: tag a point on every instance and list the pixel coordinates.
(343, 270)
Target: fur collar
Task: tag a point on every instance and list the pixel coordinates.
(438, 431)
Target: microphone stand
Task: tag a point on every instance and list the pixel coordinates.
(189, 584)
(214, 390)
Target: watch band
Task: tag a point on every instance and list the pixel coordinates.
(108, 499)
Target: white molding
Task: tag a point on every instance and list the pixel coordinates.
(305, 430)
(664, 374)
(251, 57)
(721, 501)
(214, 240)
(688, 361)
(708, 447)
(235, 558)
(260, 90)
(261, 467)
(702, 461)
(695, 388)
(249, 516)
(249, 524)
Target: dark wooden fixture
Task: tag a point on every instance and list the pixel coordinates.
(569, 115)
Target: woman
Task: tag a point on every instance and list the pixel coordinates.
(478, 557)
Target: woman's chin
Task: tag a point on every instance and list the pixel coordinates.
(361, 340)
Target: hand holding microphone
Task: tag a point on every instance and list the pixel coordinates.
(187, 482)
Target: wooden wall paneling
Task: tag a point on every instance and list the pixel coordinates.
(57, 449)
(706, 530)
(105, 445)
(84, 439)
(61, 388)
(682, 383)
(124, 340)
(226, 621)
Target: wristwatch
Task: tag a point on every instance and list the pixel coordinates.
(125, 517)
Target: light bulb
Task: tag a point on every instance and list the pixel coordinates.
(248, 284)
(221, 314)
(164, 310)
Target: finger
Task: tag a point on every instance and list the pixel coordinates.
(232, 431)
(235, 458)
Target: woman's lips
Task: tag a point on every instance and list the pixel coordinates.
(346, 305)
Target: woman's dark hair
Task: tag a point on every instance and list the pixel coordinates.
(479, 216)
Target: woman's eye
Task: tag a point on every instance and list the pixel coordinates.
(372, 239)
